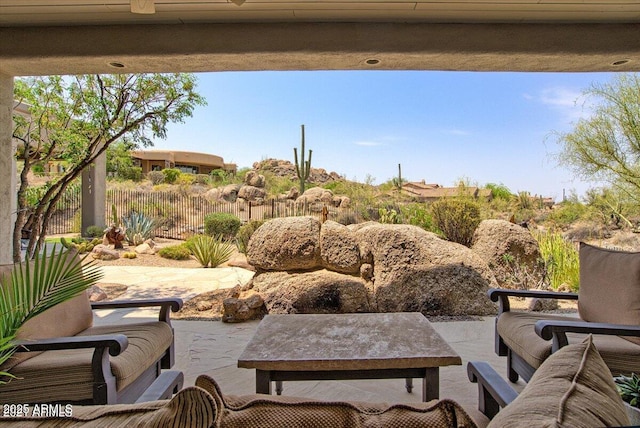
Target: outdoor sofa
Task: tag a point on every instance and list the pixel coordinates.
(572, 389)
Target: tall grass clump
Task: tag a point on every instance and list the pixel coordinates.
(457, 219)
(210, 251)
(561, 260)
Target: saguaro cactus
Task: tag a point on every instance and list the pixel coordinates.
(303, 168)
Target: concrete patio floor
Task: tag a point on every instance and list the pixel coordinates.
(213, 347)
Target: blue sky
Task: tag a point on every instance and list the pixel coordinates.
(441, 126)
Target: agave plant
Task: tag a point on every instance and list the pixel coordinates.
(210, 250)
(138, 227)
(37, 285)
(629, 388)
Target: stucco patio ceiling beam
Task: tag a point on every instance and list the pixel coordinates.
(318, 46)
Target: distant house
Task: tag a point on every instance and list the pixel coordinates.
(190, 162)
(427, 192)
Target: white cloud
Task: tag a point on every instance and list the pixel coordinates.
(459, 132)
(570, 103)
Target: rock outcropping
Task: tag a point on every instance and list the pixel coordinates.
(304, 266)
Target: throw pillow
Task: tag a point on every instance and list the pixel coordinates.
(572, 388)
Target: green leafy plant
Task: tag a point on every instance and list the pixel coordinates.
(561, 260)
(457, 218)
(210, 251)
(94, 231)
(171, 175)
(37, 285)
(175, 252)
(224, 224)
(138, 227)
(244, 234)
(389, 216)
(629, 388)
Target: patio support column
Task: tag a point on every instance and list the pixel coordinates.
(8, 180)
(94, 193)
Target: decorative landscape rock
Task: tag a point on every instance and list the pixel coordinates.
(290, 243)
(316, 194)
(103, 252)
(147, 247)
(318, 292)
(243, 309)
(414, 270)
(339, 249)
(96, 294)
(509, 248)
(230, 192)
(252, 178)
(251, 193)
(368, 267)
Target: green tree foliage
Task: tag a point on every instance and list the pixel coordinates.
(612, 206)
(170, 175)
(119, 161)
(457, 218)
(606, 145)
(499, 191)
(77, 118)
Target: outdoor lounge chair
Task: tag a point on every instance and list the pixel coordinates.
(608, 305)
(63, 358)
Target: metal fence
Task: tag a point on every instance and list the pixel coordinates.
(179, 215)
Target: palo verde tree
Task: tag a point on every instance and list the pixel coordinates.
(303, 168)
(606, 146)
(76, 118)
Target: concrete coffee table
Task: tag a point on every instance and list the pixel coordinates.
(348, 346)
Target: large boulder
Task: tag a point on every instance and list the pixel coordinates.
(414, 270)
(213, 194)
(230, 192)
(339, 249)
(252, 193)
(286, 244)
(511, 252)
(252, 178)
(318, 292)
(316, 194)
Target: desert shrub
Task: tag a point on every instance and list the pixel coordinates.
(457, 219)
(184, 179)
(560, 258)
(210, 251)
(94, 231)
(133, 173)
(156, 177)
(567, 212)
(171, 175)
(224, 224)
(138, 227)
(244, 234)
(175, 252)
(202, 179)
(417, 214)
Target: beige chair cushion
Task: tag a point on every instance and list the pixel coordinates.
(609, 286)
(572, 388)
(190, 408)
(66, 319)
(258, 411)
(66, 375)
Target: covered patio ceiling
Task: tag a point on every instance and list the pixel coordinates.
(39, 37)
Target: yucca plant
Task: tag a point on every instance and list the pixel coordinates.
(629, 388)
(138, 227)
(210, 250)
(37, 285)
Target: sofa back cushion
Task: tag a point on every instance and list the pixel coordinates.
(189, 408)
(609, 286)
(65, 319)
(257, 411)
(572, 388)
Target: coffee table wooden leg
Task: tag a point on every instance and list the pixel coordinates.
(431, 384)
(263, 382)
(409, 384)
(279, 387)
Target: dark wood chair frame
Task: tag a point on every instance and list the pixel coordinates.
(553, 330)
(106, 345)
